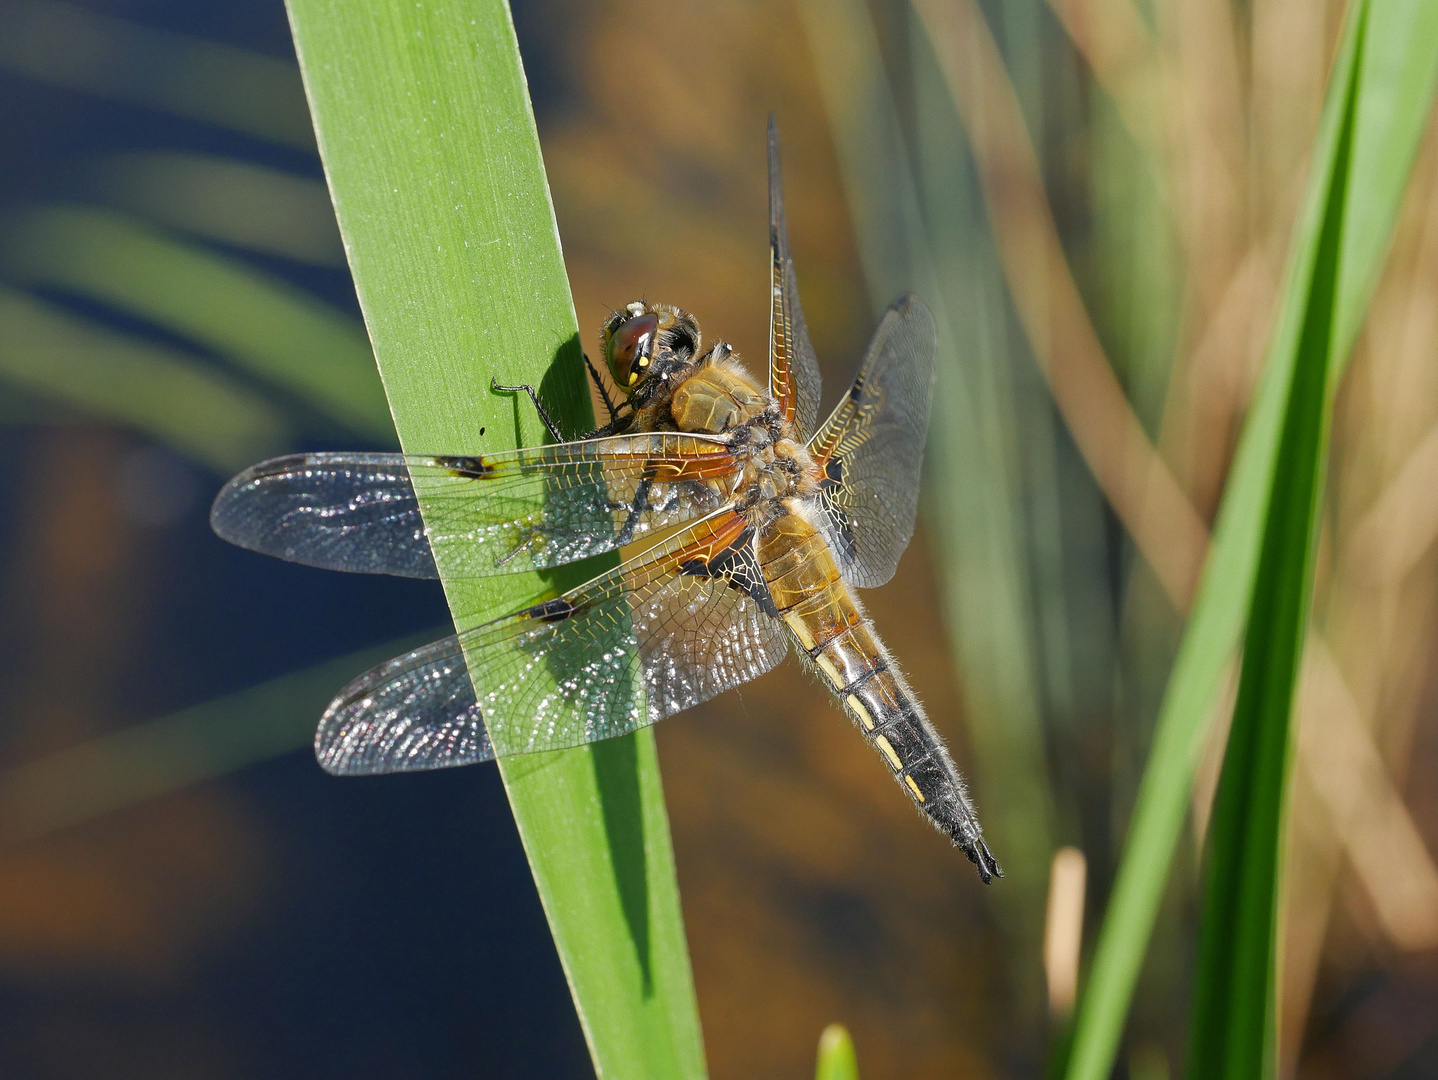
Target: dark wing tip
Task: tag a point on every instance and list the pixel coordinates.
(910, 304)
(915, 313)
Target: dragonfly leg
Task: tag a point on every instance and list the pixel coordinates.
(543, 416)
(603, 391)
(641, 503)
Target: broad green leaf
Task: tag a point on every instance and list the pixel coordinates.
(1399, 64)
(429, 144)
(254, 319)
(173, 397)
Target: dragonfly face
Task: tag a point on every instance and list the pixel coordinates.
(768, 522)
(645, 342)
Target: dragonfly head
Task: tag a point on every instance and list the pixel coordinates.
(645, 342)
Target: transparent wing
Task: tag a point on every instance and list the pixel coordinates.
(491, 514)
(793, 370)
(413, 713)
(674, 626)
(871, 447)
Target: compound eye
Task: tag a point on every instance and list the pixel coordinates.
(629, 349)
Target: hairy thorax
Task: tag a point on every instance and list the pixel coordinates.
(719, 397)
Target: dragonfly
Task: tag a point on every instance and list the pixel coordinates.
(754, 525)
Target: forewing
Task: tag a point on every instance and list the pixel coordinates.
(497, 513)
(871, 447)
(793, 369)
(668, 629)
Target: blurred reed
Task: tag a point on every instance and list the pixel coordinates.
(129, 380)
(66, 45)
(983, 533)
(144, 306)
(256, 321)
(836, 1057)
(231, 202)
(213, 355)
(150, 759)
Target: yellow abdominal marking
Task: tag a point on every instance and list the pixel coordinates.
(888, 749)
(915, 789)
(801, 630)
(863, 713)
(827, 666)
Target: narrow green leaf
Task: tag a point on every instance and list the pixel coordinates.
(429, 144)
(217, 84)
(254, 319)
(1400, 61)
(1233, 1027)
(837, 1060)
(174, 398)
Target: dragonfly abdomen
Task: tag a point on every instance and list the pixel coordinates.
(830, 630)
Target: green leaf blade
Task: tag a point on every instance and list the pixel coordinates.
(429, 145)
(1233, 1029)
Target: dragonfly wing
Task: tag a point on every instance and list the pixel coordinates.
(793, 369)
(412, 713)
(672, 627)
(486, 514)
(353, 512)
(871, 447)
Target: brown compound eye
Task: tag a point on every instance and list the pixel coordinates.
(630, 348)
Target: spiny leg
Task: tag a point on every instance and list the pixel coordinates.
(603, 390)
(641, 503)
(618, 424)
(543, 416)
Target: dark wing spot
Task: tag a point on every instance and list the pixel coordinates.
(739, 567)
(556, 610)
(834, 471)
(474, 467)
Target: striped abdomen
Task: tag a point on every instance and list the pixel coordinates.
(830, 629)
